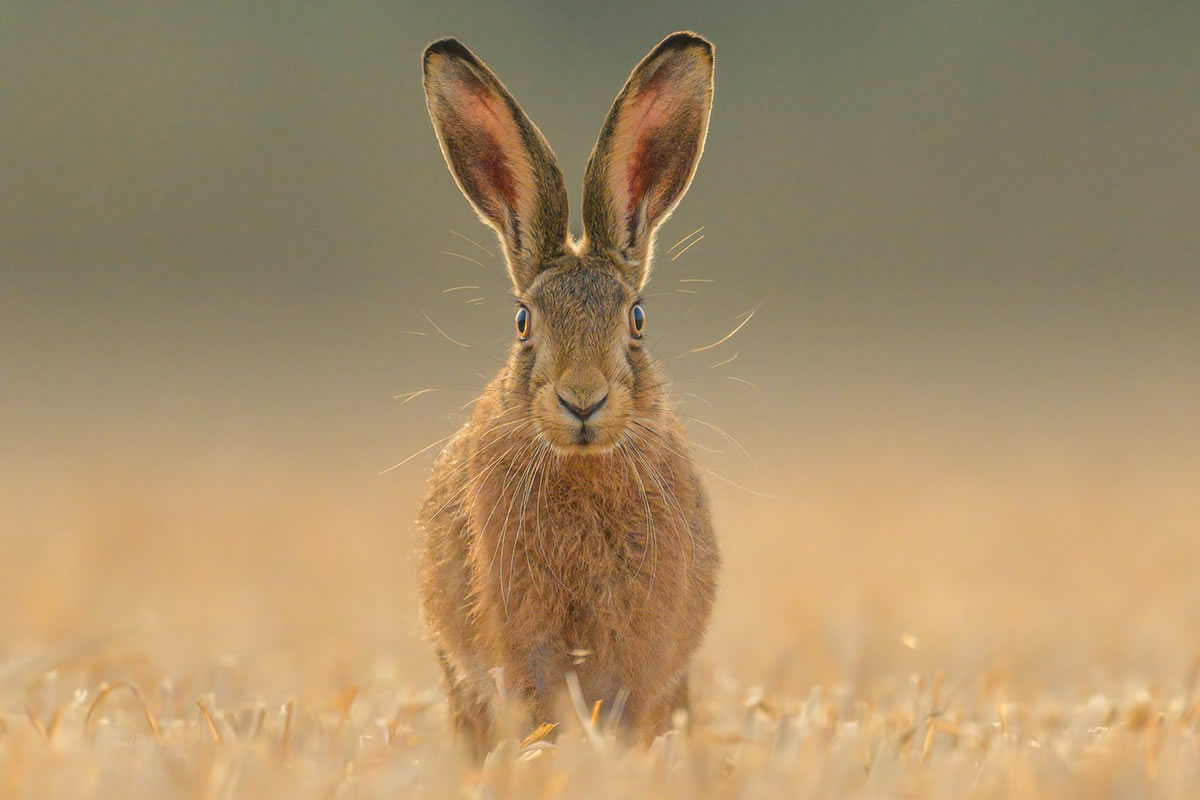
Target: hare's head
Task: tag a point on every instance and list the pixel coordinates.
(578, 364)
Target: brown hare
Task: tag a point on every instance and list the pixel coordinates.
(566, 526)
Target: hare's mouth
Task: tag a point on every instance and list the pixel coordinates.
(585, 439)
(590, 437)
(595, 430)
(586, 435)
(571, 437)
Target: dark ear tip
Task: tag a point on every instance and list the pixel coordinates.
(448, 47)
(683, 40)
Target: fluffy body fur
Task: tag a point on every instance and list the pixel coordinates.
(566, 526)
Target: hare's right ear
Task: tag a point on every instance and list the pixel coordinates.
(648, 151)
(498, 157)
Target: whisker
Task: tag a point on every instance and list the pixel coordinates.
(747, 489)
(475, 261)
(741, 380)
(660, 436)
(424, 449)
(631, 466)
(672, 499)
(729, 438)
(407, 396)
(698, 397)
(723, 363)
(466, 238)
(504, 526)
(415, 333)
(538, 531)
(479, 479)
(493, 429)
(449, 338)
(652, 536)
(697, 280)
(531, 473)
(724, 338)
(684, 239)
(695, 242)
(538, 457)
(457, 289)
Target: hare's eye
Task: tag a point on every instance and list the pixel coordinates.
(524, 323)
(637, 321)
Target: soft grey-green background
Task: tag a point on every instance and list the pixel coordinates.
(216, 220)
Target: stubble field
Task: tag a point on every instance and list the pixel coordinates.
(893, 626)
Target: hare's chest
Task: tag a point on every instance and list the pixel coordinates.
(589, 562)
(578, 543)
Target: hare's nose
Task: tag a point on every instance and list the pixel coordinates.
(582, 404)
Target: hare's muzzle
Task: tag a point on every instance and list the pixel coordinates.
(582, 405)
(582, 410)
(582, 392)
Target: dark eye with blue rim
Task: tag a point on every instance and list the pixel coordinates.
(637, 321)
(524, 323)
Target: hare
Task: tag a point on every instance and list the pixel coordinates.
(566, 528)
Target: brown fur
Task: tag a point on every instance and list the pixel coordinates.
(550, 534)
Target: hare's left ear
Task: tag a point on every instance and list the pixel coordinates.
(499, 158)
(648, 151)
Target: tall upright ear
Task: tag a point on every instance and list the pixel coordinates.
(499, 158)
(648, 150)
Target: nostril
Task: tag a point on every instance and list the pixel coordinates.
(596, 406)
(575, 410)
(582, 413)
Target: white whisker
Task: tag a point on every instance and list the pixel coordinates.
(747, 489)
(549, 562)
(729, 438)
(424, 449)
(466, 238)
(448, 337)
(695, 242)
(726, 337)
(466, 258)
(726, 361)
(684, 239)
(407, 396)
(698, 397)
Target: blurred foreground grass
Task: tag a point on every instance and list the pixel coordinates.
(223, 732)
(895, 625)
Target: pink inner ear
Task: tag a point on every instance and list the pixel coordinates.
(487, 115)
(652, 145)
(493, 169)
(647, 117)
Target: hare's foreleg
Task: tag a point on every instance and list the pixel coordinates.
(539, 676)
(657, 719)
(471, 714)
(679, 701)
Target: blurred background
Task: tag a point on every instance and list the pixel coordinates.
(965, 410)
